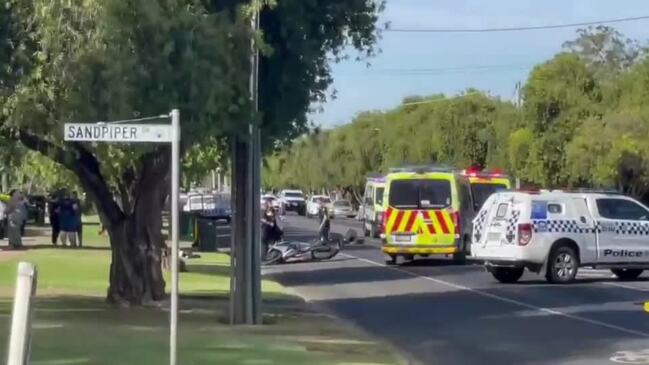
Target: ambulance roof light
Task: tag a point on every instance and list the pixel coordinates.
(421, 169)
(497, 172)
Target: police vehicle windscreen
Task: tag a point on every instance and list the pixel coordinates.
(342, 203)
(420, 194)
(379, 196)
(482, 192)
(293, 195)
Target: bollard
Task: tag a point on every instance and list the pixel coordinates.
(20, 337)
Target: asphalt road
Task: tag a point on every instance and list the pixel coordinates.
(435, 312)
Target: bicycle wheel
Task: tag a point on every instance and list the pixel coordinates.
(273, 257)
(326, 251)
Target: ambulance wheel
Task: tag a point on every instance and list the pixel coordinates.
(562, 265)
(463, 251)
(627, 274)
(374, 233)
(392, 261)
(459, 258)
(507, 275)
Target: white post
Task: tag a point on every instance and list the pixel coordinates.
(218, 180)
(20, 338)
(175, 180)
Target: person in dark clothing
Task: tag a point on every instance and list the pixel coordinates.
(78, 222)
(53, 212)
(68, 222)
(325, 223)
(270, 230)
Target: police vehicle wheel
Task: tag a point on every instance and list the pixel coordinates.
(391, 261)
(562, 265)
(507, 275)
(627, 274)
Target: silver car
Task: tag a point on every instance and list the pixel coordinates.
(343, 208)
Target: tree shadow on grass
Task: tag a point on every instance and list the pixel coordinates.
(59, 247)
(209, 269)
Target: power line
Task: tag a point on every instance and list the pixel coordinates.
(437, 71)
(442, 99)
(450, 68)
(514, 29)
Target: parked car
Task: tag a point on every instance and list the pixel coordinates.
(343, 208)
(36, 206)
(292, 201)
(3, 220)
(270, 199)
(317, 201)
(216, 206)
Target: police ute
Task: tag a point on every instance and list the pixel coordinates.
(553, 233)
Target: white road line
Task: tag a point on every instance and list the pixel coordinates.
(593, 275)
(507, 300)
(629, 287)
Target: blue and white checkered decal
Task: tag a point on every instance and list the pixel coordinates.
(512, 221)
(478, 225)
(572, 226)
(559, 226)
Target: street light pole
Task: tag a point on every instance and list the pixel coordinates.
(245, 287)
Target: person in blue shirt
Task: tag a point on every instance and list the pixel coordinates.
(68, 221)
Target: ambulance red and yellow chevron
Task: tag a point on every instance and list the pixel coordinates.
(420, 222)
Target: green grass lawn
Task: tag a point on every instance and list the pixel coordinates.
(74, 325)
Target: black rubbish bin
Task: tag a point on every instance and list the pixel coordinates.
(206, 232)
(187, 226)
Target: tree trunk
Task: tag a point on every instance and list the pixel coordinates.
(134, 228)
(137, 246)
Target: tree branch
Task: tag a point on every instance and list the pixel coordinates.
(81, 162)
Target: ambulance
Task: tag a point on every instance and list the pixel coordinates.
(485, 183)
(429, 209)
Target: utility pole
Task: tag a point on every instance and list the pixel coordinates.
(245, 283)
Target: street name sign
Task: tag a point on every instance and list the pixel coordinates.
(101, 132)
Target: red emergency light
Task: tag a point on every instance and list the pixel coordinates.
(497, 172)
(474, 171)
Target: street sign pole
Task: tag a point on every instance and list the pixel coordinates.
(175, 181)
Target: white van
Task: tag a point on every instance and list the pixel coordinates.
(553, 233)
(371, 209)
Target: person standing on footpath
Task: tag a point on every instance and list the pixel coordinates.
(15, 219)
(78, 222)
(68, 221)
(53, 212)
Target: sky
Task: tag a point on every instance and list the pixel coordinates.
(493, 62)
